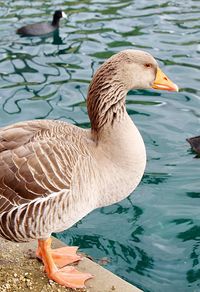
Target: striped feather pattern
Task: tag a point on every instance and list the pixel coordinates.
(37, 159)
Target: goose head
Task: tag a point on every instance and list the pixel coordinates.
(126, 70)
(139, 70)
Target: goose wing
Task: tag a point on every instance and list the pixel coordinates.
(37, 158)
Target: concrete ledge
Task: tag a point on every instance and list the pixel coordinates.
(21, 271)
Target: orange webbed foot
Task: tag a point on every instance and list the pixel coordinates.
(63, 256)
(70, 277)
(67, 276)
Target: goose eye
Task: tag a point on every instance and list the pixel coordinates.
(148, 65)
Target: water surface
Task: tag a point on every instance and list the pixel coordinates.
(151, 239)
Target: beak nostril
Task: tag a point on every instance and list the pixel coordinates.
(165, 78)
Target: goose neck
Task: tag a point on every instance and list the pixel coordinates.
(105, 103)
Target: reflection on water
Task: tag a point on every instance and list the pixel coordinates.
(57, 40)
(152, 238)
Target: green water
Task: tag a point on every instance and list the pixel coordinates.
(152, 239)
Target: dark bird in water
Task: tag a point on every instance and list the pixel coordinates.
(41, 28)
(195, 143)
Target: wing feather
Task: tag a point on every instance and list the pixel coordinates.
(37, 158)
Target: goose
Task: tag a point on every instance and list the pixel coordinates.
(194, 143)
(54, 173)
(41, 28)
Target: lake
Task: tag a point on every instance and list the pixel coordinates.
(151, 239)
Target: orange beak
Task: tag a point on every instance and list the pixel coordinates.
(162, 82)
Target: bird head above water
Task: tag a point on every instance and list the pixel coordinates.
(126, 70)
(58, 14)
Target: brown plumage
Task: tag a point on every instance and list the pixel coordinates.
(36, 159)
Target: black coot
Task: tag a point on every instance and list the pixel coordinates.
(42, 28)
(195, 144)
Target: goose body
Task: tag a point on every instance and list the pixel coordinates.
(54, 173)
